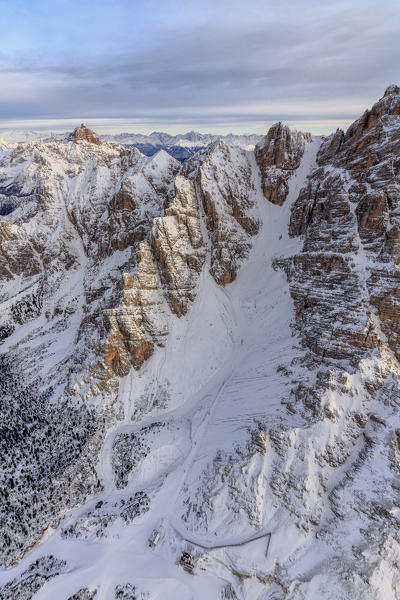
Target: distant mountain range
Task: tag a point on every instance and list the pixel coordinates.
(180, 146)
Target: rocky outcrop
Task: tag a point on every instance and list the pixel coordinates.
(278, 156)
(348, 215)
(84, 134)
(17, 255)
(224, 178)
(168, 269)
(344, 285)
(179, 247)
(112, 201)
(361, 146)
(140, 322)
(62, 263)
(328, 291)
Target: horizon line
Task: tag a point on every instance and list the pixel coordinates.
(255, 125)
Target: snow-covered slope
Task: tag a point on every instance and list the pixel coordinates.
(200, 368)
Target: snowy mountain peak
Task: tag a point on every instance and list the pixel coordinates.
(392, 89)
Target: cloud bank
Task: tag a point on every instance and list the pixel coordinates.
(209, 64)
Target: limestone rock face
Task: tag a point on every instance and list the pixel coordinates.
(179, 247)
(138, 324)
(225, 179)
(349, 213)
(114, 199)
(344, 283)
(331, 311)
(168, 270)
(84, 134)
(72, 219)
(278, 156)
(370, 154)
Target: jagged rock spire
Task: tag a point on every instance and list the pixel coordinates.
(84, 134)
(392, 89)
(278, 156)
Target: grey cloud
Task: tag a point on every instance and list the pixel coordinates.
(348, 57)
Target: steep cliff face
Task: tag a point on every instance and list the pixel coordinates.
(344, 285)
(226, 183)
(348, 215)
(179, 246)
(278, 156)
(84, 134)
(200, 367)
(370, 156)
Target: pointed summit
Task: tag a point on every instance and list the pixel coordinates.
(392, 89)
(84, 134)
(278, 156)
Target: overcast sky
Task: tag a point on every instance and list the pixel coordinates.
(210, 65)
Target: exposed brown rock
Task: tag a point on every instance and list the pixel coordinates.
(367, 141)
(323, 213)
(138, 324)
(178, 246)
(278, 156)
(373, 219)
(170, 268)
(351, 206)
(331, 315)
(84, 134)
(384, 289)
